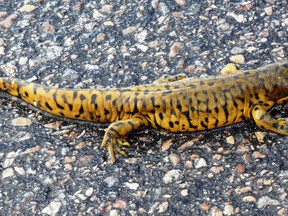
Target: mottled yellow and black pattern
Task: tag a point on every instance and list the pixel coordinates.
(171, 103)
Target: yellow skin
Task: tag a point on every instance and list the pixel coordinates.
(171, 103)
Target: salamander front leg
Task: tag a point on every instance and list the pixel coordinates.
(229, 69)
(265, 121)
(114, 136)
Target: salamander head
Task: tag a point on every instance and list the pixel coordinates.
(277, 82)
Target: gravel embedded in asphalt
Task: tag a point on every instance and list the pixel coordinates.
(52, 166)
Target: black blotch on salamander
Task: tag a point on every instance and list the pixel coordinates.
(204, 125)
(55, 99)
(166, 92)
(93, 98)
(48, 106)
(106, 112)
(161, 116)
(82, 97)
(108, 97)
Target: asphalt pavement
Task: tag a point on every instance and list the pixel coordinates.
(52, 166)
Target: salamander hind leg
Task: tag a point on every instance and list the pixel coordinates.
(170, 78)
(114, 138)
(267, 122)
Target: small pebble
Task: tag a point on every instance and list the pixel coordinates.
(100, 37)
(21, 121)
(27, 8)
(282, 212)
(217, 169)
(243, 190)
(47, 27)
(132, 186)
(2, 50)
(54, 52)
(129, 30)
(7, 173)
(217, 157)
(188, 164)
(108, 23)
(268, 10)
(23, 60)
(170, 176)
(97, 14)
(205, 207)
(180, 2)
(111, 181)
(113, 212)
(53, 208)
(228, 210)
(69, 159)
(141, 36)
(107, 8)
(249, 199)
(3, 14)
(247, 158)
(8, 69)
(236, 50)
(175, 49)
(19, 170)
(184, 192)
(163, 207)
(166, 145)
(163, 8)
(81, 196)
(174, 159)
(222, 25)
(8, 21)
(199, 163)
(215, 211)
(142, 47)
(239, 59)
(238, 17)
(230, 140)
(265, 201)
(240, 168)
(260, 136)
(120, 204)
(258, 154)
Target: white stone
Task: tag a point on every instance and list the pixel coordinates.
(171, 176)
(111, 181)
(239, 18)
(21, 121)
(52, 208)
(163, 207)
(141, 36)
(113, 212)
(7, 173)
(228, 210)
(2, 50)
(132, 186)
(265, 201)
(240, 59)
(200, 162)
(142, 47)
(184, 192)
(268, 10)
(89, 192)
(20, 170)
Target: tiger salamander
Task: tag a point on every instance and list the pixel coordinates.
(171, 103)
